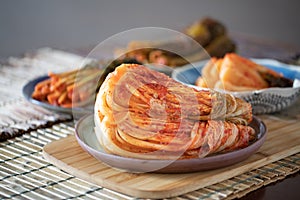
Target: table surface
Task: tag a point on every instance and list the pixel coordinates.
(247, 46)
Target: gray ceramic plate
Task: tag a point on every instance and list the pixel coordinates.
(86, 138)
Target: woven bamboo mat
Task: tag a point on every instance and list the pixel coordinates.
(26, 128)
(24, 173)
(16, 115)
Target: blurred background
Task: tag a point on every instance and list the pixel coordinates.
(71, 24)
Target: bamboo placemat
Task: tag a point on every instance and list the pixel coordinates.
(25, 174)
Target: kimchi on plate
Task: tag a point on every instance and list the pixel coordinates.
(141, 113)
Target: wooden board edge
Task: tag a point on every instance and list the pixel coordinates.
(167, 193)
(134, 192)
(176, 191)
(250, 166)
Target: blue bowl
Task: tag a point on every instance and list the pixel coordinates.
(263, 101)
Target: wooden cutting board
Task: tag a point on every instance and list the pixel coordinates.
(283, 139)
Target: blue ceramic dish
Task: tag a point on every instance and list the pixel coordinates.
(263, 101)
(29, 88)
